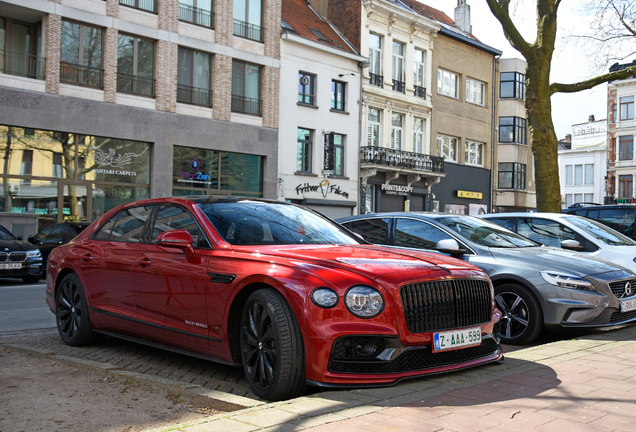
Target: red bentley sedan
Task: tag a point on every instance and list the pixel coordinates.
(289, 294)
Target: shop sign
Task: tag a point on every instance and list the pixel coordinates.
(116, 162)
(330, 153)
(468, 194)
(194, 175)
(626, 201)
(393, 189)
(323, 188)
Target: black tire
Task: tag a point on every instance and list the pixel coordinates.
(272, 348)
(522, 320)
(71, 313)
(31, 279)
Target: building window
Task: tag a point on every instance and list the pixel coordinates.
(26, 168)
(447, 83)
(193, 77)
(247, 19)
(57, 165)
(338, 95)
(625, 186)
(475, 91)
(588, 197)
(419, 68)
(589, 174)
(569, 175)
(614, 108)
(512, 130)
(568, 200)
(147, 5)
(135, 65)
(373, 127)
(19, 55)
(512, 85)
(418, 135)
(448, 147)
(474, 153)
(626, 147)
(303, 150)
(197, 12)
(81, 55)
(396, 131)
(246, 88)
(627, 108)
(338, 143)
(375, 54)
(512, 176)
(306, 88)
(398, 67)
(578, 175)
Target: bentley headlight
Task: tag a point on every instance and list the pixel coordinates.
(567, 281)
(324, 297)
(33, 253)
(364, 302)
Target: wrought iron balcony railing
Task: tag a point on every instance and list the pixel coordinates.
(248, 31)
(83, 75)
(147, 5)
(399, 86)
(245, 105)
(419, 92)
(196, 16)
(21, 64)
(376, 80)
(135, 84)
(194, 95)
(384, 156)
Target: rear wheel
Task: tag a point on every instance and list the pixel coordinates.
(522, 320)
(71, 312)
(272, 348)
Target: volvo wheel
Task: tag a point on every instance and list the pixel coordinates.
(522, 320)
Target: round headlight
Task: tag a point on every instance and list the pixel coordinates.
(324, 297)
(364, 302)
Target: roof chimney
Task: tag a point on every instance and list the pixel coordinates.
(568, 137)
(462, 16)
(590, 119)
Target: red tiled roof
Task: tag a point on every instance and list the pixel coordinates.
(432, 13)
(298, 15)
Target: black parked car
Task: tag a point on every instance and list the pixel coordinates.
(18, 259)
(55, 235)
(621, 217)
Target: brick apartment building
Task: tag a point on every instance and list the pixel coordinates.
(107, 101)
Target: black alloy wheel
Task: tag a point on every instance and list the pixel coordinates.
(71, 312)
(522, 319)
(272, 347)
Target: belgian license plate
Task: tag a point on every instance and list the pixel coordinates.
(628, 305)
(456, 339)
(10, 266)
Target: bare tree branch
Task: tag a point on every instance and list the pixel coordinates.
(593, 82)
(499, 9)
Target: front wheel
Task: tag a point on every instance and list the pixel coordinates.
(522, 320)
(272, 348)
(71, 313)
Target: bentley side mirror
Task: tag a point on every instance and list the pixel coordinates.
(180, 239)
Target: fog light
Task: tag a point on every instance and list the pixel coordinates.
(365, 348)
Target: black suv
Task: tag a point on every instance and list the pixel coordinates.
(620, 217)
(18, 259)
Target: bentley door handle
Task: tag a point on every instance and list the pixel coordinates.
(144, 262)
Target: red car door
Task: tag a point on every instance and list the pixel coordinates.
(170, 286)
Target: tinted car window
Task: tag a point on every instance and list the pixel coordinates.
(174, 218)
(5, 234)
(485, 233)
(602, 232)
(622, 220)
(548, 232)
(417, 234)
(45, 233)
(126, 226)
(506, 222)
(258, 223)
(372, 230)
(61, 231)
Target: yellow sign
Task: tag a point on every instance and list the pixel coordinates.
(467, 194)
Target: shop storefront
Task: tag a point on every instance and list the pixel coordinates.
(465, 190)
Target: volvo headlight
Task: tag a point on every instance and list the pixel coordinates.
(33, 253)
(364, 302)
(324, 297)
(567, 281)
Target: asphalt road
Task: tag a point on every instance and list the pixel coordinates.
(23, 308)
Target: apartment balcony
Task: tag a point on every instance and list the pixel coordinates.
(21, 64)
(127, 83)
(383, 157)
(399, 86)
(194, 95)
(419, 92)
(193, 15)
(145, 5)
(82, 75)
(245, 105)
(376, 80)
(248, 31)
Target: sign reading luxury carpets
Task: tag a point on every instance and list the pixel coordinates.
(324, 188)
(394, 189)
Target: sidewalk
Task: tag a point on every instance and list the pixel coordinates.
(585, 384)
